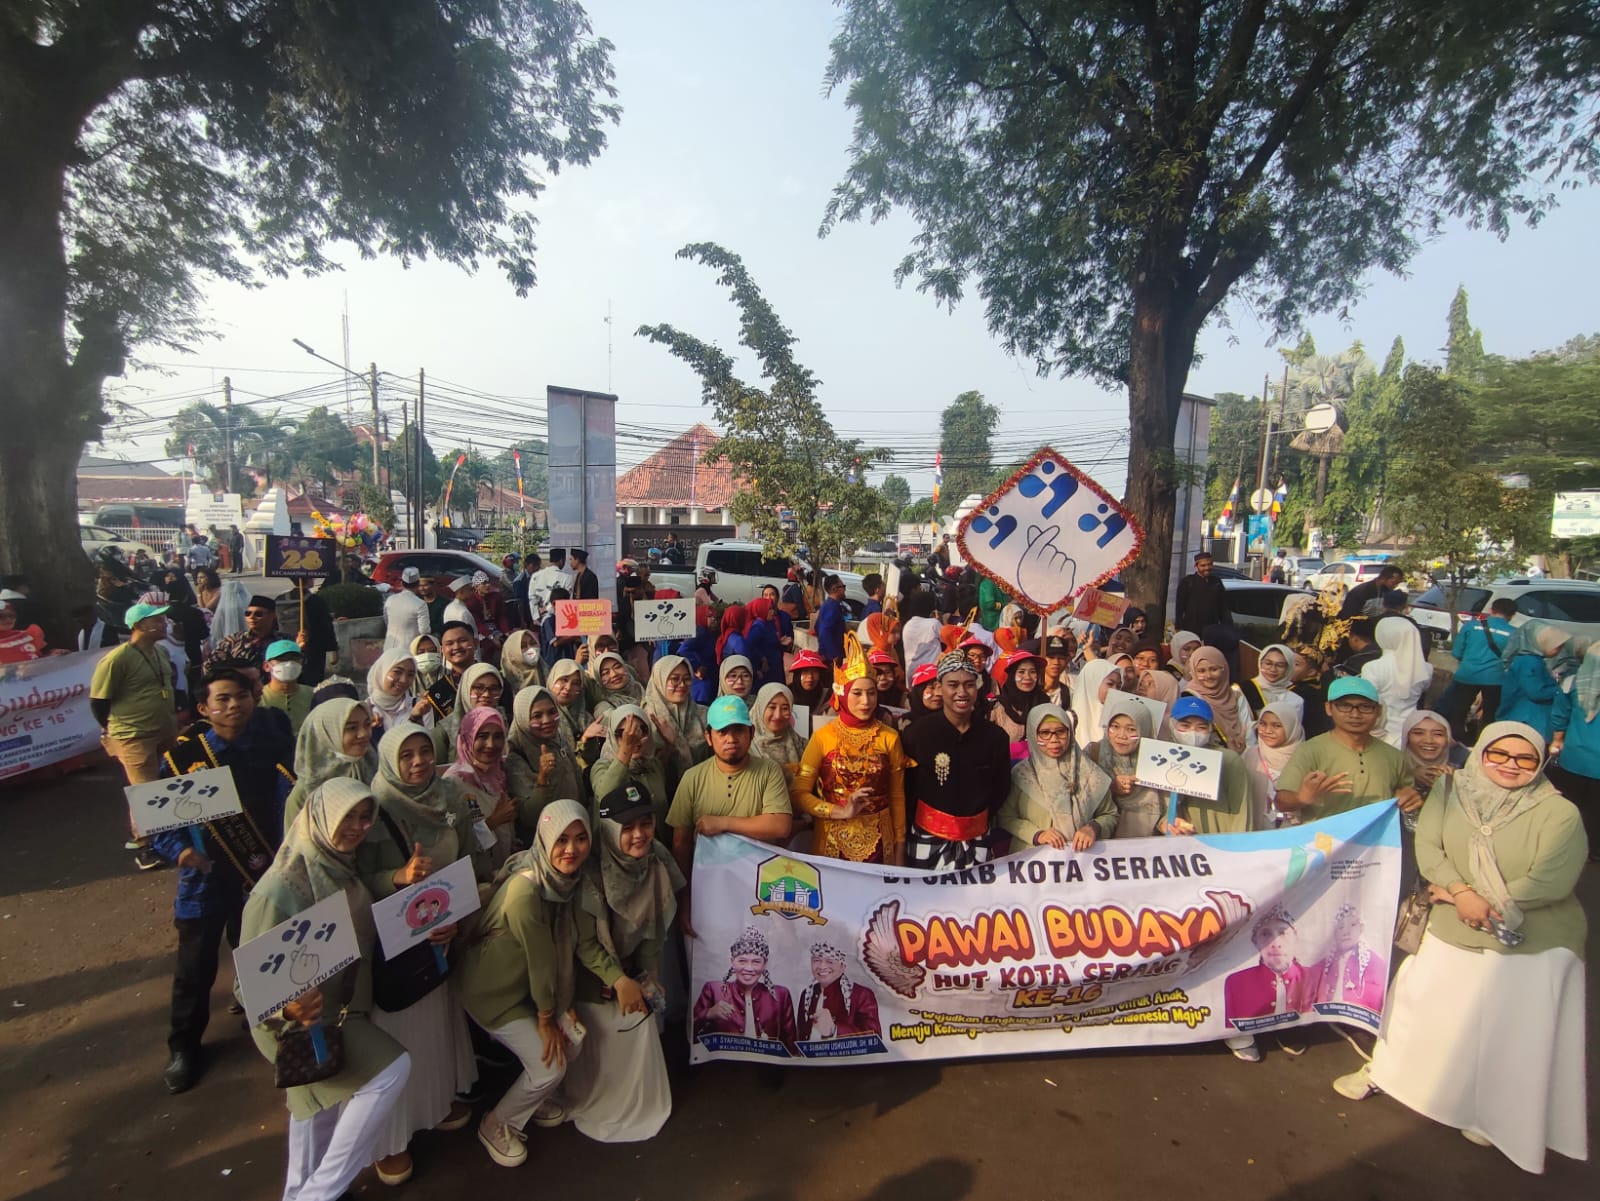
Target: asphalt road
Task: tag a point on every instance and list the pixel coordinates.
(85, 960)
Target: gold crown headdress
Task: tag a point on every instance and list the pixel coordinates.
(855, 666)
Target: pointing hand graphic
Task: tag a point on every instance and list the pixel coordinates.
(1045, 573)
(304, 965)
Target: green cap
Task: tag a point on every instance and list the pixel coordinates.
(137, 613)
(1353, 686)
(728, 711)
(280, 648)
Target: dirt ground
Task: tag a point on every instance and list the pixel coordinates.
(85, 959)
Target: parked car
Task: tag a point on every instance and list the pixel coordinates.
(1344, 574)
(1256, 607)
(443, 565)
(459, 537)
(743, 569)
(96, 538)
(1301, 568)
(1572, 605)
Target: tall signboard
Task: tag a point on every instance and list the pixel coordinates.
(583, 473)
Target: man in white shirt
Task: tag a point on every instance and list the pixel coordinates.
(552, 575)
(405, 614)
(457, 609)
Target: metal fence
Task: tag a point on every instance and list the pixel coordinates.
(156, 537)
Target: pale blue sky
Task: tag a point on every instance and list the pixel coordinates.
(726, 136)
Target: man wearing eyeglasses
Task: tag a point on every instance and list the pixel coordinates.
(1347, 767)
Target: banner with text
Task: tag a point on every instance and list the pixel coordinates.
(44, 711)
(1133, 942)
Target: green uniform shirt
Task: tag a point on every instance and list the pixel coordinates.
(1376, 773)
(1232, 811)
(759, 787)
(139, 686)
(296, 704)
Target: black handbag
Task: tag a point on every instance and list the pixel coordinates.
(401, 982)
(297, 1061)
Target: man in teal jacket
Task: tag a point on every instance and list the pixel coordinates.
(1478, 647)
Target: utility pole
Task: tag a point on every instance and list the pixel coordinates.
(422, 466)
(227, 425)
(372, 384)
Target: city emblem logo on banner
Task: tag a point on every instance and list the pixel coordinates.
(790, 889)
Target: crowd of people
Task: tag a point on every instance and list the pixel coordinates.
(578, 774)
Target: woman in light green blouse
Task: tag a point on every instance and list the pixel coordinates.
(1484, 1029)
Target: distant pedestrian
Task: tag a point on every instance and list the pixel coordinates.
(1355, 602)
(1202, 601)
(1478, 648)
(405, 613)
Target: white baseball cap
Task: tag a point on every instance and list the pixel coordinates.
(410, 575)
(460, 582)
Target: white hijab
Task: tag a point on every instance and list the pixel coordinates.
(1086, 704)
(1283, 689)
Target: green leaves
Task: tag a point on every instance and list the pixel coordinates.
(803, 488)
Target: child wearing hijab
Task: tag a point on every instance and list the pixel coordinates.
(617, 1089)
(336, 740)
(1401, 674)
(1059, 797)
(541, 763)
(1183, 645)
(1234, 810)
(1278, 734)
(479, 769)
(1116, 754)
(390, 692)
(335, 1123)
(1018, 696)
(518, 976)
(430, 663)
(1098, 679)
(811, 682)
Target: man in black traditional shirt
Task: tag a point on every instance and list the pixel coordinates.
(960, 775)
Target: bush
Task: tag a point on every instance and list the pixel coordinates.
(352, 600)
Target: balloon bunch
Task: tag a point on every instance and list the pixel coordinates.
(356, 530)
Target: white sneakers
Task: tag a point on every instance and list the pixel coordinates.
(504, 1145)
(550, 1113)
(1357, 1086)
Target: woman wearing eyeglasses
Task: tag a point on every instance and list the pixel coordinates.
(1484, 1029)
(1059, 797)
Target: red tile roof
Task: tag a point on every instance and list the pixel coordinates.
(676, 477)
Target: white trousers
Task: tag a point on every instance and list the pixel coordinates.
(328, 1150)
(537, 1082)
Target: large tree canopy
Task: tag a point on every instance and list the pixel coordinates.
(1110, 174)
(150, 145)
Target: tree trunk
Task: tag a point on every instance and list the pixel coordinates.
(1162, 349)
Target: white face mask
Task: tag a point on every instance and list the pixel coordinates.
(530, 656)
(427, 662)
(1193, 737)
(286, 671)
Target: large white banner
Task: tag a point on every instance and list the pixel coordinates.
(1133, 942)
(44, 711)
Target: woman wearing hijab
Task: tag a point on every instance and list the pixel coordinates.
(617, 1090)
(566, 686)
(1096, 682)
(1183, 645)
(430, 663)
(1530, 689)
(762, 642)
(923, 696)
(518, 975)
(336, 740)
(482, 687)
(678, 721)
(1577, 742)
(541, 763)
(1484, 1026)
(1278, 734)
(480, 770)
(1208, 680)
(811, 682)
(1429, 749)
(617, 686)
(1274, 678)
(335, 1123)
(631, 757)
(1313, 694)
(1139, 808)
(1401, 674)
(1059, 798)
(424, 823)
(521, 661)
(852, 778)
(1159, 686)
(735, 677)
(775, 736)
(731, 640)
(1018, 696)
(391, 693)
